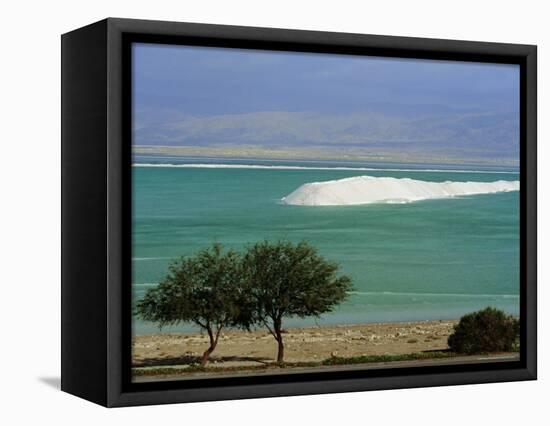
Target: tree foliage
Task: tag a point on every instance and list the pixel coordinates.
(488, 330)
(206, 289)
(285, 280)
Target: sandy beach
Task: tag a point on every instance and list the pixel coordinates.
(237, 348)
(169, 356)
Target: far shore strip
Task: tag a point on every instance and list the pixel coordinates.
(308, 344)
(312, 153)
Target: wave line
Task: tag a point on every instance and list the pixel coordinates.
(391, 293)
(336, 168)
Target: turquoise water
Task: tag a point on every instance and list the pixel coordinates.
(434, 259)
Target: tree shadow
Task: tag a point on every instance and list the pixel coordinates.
(427, 351)
(192, 359)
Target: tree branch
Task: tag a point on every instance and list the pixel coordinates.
(218, 333)
(269, 328)
(210, 335)
(200, 324)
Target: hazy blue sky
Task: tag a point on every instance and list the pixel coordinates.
(198, 80)
(198, 95)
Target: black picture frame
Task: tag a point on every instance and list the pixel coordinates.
(96, 212)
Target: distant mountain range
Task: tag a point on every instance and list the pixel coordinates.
(418, 133)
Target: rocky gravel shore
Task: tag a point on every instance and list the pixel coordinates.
(237, 348)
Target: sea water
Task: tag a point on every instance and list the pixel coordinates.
(430, 259)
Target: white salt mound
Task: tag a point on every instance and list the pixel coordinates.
(369, 189)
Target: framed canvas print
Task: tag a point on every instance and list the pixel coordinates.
(253, 212)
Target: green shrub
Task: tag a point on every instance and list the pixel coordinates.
(488, 330)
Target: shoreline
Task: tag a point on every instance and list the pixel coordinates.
(308, 326)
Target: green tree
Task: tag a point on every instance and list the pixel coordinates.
(206, 290)
(288, 280)
(488, 330)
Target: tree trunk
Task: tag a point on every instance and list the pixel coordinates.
(206, 355)
(213, 343)
(279, 337)
(281, 349)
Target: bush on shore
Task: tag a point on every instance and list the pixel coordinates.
(488, 330)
